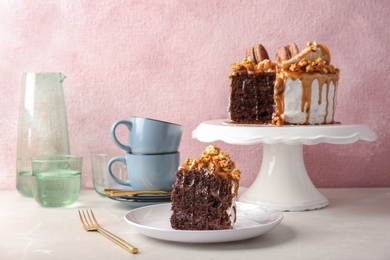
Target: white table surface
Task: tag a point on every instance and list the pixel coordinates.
(355, 225)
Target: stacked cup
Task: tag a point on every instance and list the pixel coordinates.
(152, 155)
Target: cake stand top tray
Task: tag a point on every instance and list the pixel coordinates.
(223, 130)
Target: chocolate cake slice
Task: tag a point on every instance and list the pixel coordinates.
(251, 98)
(252, 82)
(205, 191)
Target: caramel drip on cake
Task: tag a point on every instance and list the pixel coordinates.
(306, 97)
(306, 80)
(313, 63)
(334, 101)
(278, 118)
(320, 86)
(327, 104)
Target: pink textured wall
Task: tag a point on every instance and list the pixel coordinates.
(169, 60)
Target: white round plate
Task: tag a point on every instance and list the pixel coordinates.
(252, 221)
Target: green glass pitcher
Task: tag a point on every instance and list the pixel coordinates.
(42, 128)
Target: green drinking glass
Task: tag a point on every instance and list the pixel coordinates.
(56, 179)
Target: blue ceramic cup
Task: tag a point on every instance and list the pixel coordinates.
(147, 172)
(148, 136)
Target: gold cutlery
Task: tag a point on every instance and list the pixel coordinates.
(119, 192)
(89, 223)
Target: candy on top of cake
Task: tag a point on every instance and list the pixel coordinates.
(256, 61)
(248, 66)
(314, 58)
(215, 161)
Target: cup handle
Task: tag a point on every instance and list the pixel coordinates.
(116, 179)
(113, 134)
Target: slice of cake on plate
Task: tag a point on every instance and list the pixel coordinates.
(205, 191)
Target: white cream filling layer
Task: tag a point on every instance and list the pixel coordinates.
(230, 211)
(321, 103)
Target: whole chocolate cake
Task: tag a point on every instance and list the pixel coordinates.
(205, 191)
(300, 88)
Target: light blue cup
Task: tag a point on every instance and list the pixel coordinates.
(147, 172)
(149, 136)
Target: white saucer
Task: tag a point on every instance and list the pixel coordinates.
(252, 221)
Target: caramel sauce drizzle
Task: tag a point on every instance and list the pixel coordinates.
(306, 81)
(279, 88)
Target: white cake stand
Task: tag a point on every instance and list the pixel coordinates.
(283, 182)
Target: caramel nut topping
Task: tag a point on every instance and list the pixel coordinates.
(311, 53)
(248, 66)
(215, 161)
(256, 61)
(314, 58)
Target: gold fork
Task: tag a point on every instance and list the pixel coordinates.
(89, 223)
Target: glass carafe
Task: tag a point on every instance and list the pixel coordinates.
(42, 128)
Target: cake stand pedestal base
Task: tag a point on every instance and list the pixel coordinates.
(283, 182)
